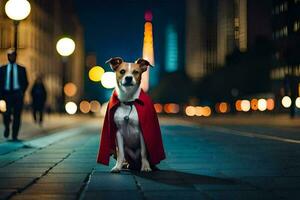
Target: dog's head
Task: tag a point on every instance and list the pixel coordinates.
(128, 74)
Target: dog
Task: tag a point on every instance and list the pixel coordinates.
(130, 140)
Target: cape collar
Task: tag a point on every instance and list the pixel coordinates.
(115, 100)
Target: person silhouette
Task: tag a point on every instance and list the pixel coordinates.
(13, 84)
(38, 97)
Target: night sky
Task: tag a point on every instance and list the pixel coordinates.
(116, 28)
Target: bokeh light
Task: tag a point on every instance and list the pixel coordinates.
(95, 106)
(96, 73)
(297, 102)
(65, 46)
(17, 9)
(108, 80)
(70, 89)
(286, 102)
(245, 105)
(254, 104)
(223, 107)
(190, 111)
(158, 107)
(71, 108)
(2, 106)
(85, 107)
(262, 104)
(198, 111)
(238, 105)
(171, 108)
(206, 111)
(270, 104)
(148, 15)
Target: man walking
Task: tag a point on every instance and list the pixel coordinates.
(13, 84)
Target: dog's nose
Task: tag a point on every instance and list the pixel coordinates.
(128, 79)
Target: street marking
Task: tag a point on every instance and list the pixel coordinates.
(251, 134)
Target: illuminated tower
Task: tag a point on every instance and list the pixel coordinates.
(148, 51)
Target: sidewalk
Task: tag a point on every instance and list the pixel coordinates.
(51, 123)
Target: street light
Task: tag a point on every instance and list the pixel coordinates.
(17, 10)
(65, 47)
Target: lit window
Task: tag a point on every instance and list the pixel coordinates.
(296, 26)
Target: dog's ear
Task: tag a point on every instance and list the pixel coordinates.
(114, 62)
(143, 64)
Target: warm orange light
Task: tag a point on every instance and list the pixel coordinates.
(70, 89)
(190, 111)
(148, 26)
(171, 108)
(206, 111)
(270, 104)
(238, 105)
(95, 106)
(223, 107)
(84, 107)
(254, 104)
(158, 107)
(198, 111)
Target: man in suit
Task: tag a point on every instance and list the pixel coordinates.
(13, 84)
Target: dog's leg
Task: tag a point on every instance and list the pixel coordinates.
(145, 163)
(120, 158)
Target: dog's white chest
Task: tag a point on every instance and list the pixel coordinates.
(128, 128)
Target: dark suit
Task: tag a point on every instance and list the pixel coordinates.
(13, 99)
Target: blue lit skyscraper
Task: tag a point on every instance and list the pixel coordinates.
(171, 59)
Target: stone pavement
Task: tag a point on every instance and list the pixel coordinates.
(202, 163)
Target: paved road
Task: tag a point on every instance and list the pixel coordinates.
(203, 162)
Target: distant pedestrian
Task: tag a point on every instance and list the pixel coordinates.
(13, 84)
(39, 98)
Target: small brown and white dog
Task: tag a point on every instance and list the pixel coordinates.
(130, 141)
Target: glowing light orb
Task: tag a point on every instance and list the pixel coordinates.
(245, 105)
(71, 108)
(2, 106)
(190, 111)
(108, 80)
(254, 104)
(238, 105)
(206, 111)
(95, 106)
(85, 107)
(17, 9)
(96, 73)
(298, 102)
(270, 104)
(286, 102)
(70, 89)
(223, 107)
(198, 111)
(148, 15)
(262, 104)
(171, 108)
(158, 108)
(65, 46)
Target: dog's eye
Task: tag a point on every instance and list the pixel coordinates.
(122, 71)
(135, 72)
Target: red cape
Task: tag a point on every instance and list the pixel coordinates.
(148, 123)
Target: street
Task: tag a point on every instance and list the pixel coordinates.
(203, 162)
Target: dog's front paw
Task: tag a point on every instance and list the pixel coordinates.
(115, 169)
(145, 166)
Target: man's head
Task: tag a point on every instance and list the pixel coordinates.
(12, 55)
(128, 74)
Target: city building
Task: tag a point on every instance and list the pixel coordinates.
(38, 34)
(214, 29)
(286, 38)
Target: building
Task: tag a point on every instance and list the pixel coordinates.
(286, 37)
(38, 34)
(214, 29)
